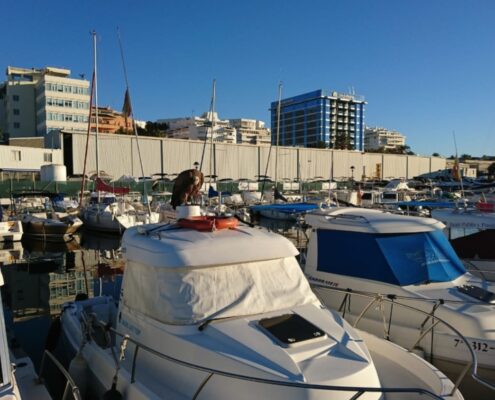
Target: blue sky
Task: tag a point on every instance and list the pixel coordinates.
(426, 67)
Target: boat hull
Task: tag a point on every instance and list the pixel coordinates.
(405, 328)
(394, 366)
(10, 231)
(50, 229)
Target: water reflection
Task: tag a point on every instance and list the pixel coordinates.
(41, 276)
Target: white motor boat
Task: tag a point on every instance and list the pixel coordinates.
(227, 314)
(472, 234)
(10, 231)
(115, 217)
(410, 260)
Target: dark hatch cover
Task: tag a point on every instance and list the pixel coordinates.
(290, 329)
(478, 293)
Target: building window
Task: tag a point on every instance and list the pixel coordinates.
(47, 157)
(16, 155)
(16, 111)
(15, 97)
(17, 125)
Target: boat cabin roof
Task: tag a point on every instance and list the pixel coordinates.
(370, 221)
(465, 218)
(171, 246)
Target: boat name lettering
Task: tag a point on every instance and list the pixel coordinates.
(478, 346)
(329, 283)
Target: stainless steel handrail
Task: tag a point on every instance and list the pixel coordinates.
(380, 298)
(358, 390)
(320, 283)
(70, 382)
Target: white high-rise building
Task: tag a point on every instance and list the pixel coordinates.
(251, 131)
(35, 101)
(201, 128)
(240, 130)
(381, 138)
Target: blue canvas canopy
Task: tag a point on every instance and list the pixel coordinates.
(400, 259)
(287, 208)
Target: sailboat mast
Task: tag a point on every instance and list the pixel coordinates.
(212, 116)
(96, 107)
(278, 131)
(458, 169)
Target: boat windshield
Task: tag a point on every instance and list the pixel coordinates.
(183, 296)
(400, 259)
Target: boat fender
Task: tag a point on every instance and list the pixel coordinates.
(53, 335)
(78, 370)
(113, 393)
(419, 351)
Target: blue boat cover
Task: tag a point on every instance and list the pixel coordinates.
(213, 193)
(398, 259)
(286, 208)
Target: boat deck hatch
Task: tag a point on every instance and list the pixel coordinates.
(290, 329)
(478, 293)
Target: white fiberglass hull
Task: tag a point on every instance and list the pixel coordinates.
(101, 221)
(109, 219)
(406, 325)
(157, 378)
(10, 231)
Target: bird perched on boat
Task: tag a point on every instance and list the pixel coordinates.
(187, 186)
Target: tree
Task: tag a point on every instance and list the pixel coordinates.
(155, 129)
(435, 154)
(318, 145)
(342, 142)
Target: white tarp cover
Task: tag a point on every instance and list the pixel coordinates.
(183, 296)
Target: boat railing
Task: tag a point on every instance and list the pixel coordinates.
(70, 385)
(477, 271)
(356, 391)
(348, 217)
(377, 300)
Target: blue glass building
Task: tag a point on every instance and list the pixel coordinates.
(320, 119)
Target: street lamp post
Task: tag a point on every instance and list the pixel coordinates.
(352, 174)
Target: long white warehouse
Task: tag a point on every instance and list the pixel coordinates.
(119, 156)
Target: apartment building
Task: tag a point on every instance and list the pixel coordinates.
(34, 101)
(111, 121)
(380, 138)
(251, 131)
(207, 126)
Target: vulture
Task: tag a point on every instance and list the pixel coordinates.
(186, 186)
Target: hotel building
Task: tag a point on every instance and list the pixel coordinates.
(320, 119)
